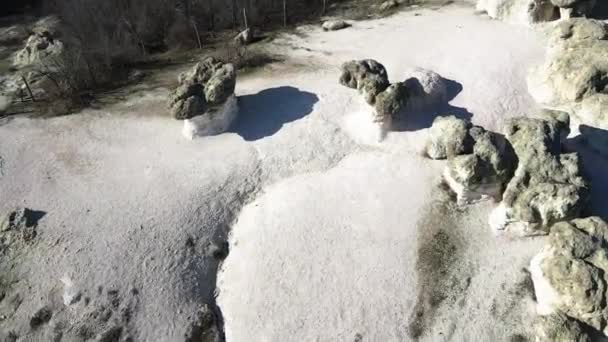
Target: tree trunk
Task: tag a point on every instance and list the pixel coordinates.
(284, 13)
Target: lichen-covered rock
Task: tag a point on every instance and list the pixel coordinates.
(427, 89)
(368, 76)
(38, 48)
(482, 174)
(449, 136)
(19, 222)
(205, 90)
(559, 328)
(547, 186)
(334, 25)
(210, 82)
(519, 11)
(390, 102)
(570, 273)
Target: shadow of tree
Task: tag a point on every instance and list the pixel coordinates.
(420, 118)
(263, 114)
(592, 148)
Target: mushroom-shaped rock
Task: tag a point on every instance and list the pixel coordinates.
(367, 76)
(570, 273)
(482, 174)
(559, 327)
(547, 186)
(390, 102)
(449, 136)
(519, 11)
(334, 25)
(205, 98)
(427, 89)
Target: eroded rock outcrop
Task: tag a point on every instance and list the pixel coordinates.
(559, 327)
(520, 11)
(479, 162)
(570, 275)
(370, 79)
(368, 76)
(449, 136)
(547, 186)
(205, 98)
(574, 77)
(483, 173)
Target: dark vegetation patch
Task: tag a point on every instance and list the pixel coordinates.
(442, 280)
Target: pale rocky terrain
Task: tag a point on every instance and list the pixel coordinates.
(297, 223)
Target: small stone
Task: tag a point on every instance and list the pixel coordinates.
(334, 25)
(71, 294)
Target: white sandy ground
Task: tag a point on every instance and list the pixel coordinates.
(331, 239)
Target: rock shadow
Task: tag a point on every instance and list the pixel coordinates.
(422, 117)
(263, 114)
(592, 148)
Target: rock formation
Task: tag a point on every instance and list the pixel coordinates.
(484, 173)
(574, 77)
(547, 186)
(449, 136)
(205, 98)
(479, 162)
(519, 11)
(371, 80)
(427, 89)
(368, 76)
(570, 278)
(422, 90)
(559, 327)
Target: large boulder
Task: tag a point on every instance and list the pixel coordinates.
(205, 90)
(520, 11)
(427, 89)
(449, 136)
(574, 77)
(368, 76)
(570, 274)
(547, 186)
(484, 173)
